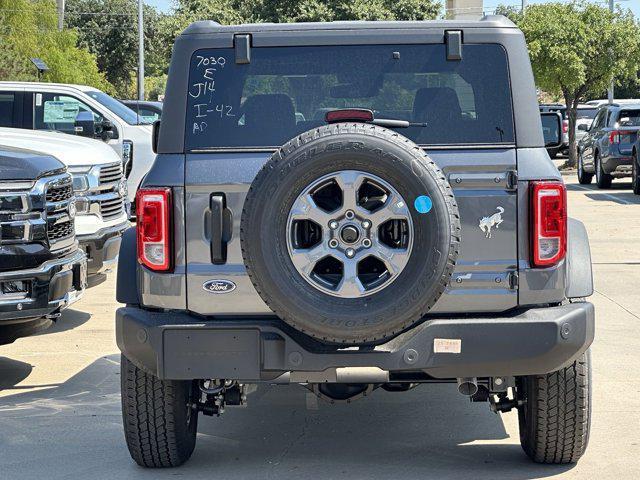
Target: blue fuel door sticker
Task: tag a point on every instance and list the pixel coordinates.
(423, 204)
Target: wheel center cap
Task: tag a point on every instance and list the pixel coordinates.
(349, 234)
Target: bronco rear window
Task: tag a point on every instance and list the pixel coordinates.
(285, 91)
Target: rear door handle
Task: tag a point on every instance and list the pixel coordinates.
(220, 228)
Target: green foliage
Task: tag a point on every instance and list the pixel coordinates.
(155, 86)
(28, 28)
(577, 49)
(109, 30)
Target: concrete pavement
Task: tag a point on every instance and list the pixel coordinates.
(60, 399)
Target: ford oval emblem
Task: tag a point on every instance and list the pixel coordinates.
(219, 286)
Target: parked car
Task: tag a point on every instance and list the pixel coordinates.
(147, 111)
(562, 110)
(585, 115)
(335, 252)
(42, 271)
(99, 186)
(84, 111)
(606, 149)
(619, 101)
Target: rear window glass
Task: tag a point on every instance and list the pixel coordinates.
(629, 118)
(586, 113)
(285, 91)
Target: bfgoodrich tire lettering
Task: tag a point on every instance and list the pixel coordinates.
(365, 148)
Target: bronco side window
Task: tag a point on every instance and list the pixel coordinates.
(285, 91)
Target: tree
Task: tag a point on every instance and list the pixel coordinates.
(28, 28)
(577, 49)
(229, 12)
(109, 30)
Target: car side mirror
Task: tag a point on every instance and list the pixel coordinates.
(584, 127)
(107, 130)
(84, 124)
(552, 129)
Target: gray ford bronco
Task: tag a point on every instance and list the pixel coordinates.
(351, 206)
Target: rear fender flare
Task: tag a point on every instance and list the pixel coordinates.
(127, 280)
(579, 282)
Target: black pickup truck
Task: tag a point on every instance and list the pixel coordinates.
(42, 271)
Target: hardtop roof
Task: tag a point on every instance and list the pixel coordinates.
(204, 27)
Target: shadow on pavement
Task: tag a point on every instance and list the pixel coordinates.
(429, 432)
(69, 320)
(619, 192)
(12, 372)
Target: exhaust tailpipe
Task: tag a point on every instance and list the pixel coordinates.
(468, 386)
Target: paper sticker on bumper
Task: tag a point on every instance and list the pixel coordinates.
(447, 345)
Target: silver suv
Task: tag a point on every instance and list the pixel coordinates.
(347, 207)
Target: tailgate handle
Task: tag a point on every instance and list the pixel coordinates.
(220, 221)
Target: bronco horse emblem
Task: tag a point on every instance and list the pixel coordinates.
(487, 223)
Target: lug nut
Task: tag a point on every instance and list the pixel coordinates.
(349, 214)
(350, 253)
(366, 243)
(366, 224)
(333, 224)
(333, 243)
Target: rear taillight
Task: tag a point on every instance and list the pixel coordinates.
(565, 126)
(549, 229)
(614, 137)
(153, 223)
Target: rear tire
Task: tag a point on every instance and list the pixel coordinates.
(555, 418)
(159, 427)
(603, 180)
(635, 174)
(584, 178)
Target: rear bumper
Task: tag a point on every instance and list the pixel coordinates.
(53, 286)
(102, 248)
(180, 346)
(619, 166)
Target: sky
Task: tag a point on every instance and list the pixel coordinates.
(634, 5)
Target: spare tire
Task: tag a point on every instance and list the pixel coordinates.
(350, 233)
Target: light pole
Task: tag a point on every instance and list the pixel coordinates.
(610, 91)
(140, 52)
(60, 4)
(524, 5)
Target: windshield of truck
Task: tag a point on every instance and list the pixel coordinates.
(119, 109)
(285, 91)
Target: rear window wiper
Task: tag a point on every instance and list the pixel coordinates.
(366, 116)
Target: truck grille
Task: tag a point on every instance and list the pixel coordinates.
(110, 174)
(60, 231)
(59, 193)
(111, 208)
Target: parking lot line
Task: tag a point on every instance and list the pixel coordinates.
(608, 195)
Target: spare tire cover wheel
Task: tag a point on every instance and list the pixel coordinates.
(350, 233)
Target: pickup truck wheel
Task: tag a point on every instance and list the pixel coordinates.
(584, 178)
(350, 233)
(159, 424)
(555, 416)
(603, 180)
(635, 174)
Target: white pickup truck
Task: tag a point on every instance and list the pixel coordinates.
(81, 111)
(99, 186)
